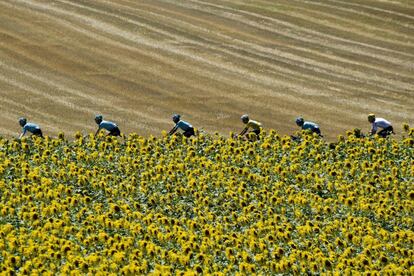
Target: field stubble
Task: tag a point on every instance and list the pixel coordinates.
(137, 62)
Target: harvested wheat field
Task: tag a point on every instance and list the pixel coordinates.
(139, 61)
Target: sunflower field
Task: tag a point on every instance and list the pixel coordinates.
(207, 205)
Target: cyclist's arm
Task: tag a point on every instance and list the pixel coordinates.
(174, 129)
(96, 133)
(244, 131)
(373, 129)
(23, 133)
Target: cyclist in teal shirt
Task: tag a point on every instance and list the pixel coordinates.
(186, 127)
(30, 127)
(311, 126)
(109, 126)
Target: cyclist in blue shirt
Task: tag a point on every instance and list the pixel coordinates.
(30, 127)
(314, 128)
(186, 127)
(109, 126)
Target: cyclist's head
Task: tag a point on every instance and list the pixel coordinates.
(245, 118)
(300, 121)
(371, 118)
(176, 118)
(98, 119)
(22, 121)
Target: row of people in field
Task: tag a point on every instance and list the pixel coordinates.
(251, 126)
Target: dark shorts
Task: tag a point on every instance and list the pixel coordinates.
(256, 131)
(386, 131)
(189, 132)
(115, 132)
(317, 131)
(38, 132)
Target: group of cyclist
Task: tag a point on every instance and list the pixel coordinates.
(251, 126)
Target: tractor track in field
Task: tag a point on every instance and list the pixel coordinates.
(138, 62)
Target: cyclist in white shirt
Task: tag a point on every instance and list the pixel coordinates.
(376, 123)
(109, 126)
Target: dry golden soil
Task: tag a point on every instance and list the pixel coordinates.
(139, 61)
